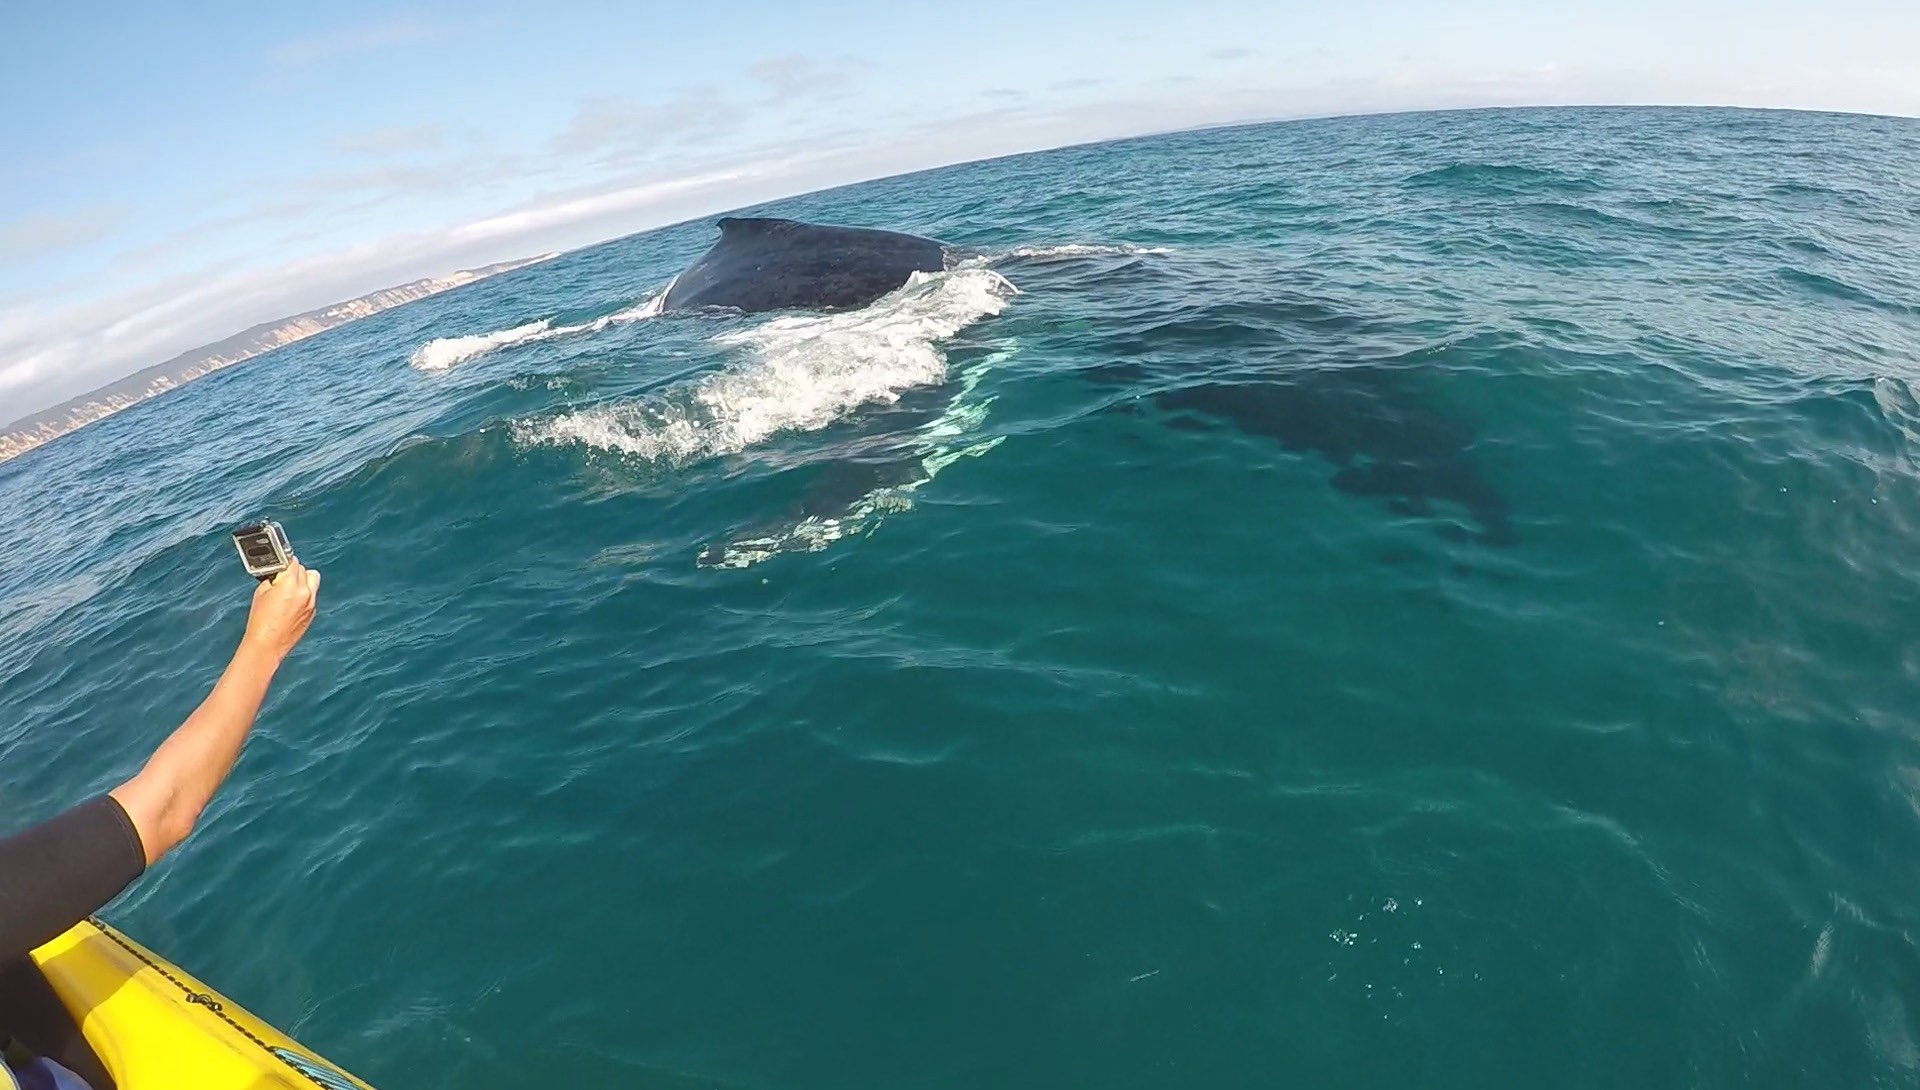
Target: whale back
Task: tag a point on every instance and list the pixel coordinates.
(777, 264)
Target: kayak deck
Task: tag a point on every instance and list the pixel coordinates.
(156, 1027)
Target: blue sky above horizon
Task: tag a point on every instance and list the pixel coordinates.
(174, 175)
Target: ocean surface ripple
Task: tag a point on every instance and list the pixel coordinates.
(1418, 600)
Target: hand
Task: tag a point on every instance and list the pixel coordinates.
(282, 609)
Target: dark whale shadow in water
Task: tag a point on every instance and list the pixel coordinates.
(1384, 440)
(1204, 348)
(1291, 368)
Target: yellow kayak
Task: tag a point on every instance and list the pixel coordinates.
(157, 1028)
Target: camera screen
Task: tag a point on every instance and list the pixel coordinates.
(258, 549)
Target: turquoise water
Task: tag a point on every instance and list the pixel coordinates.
(1424, 600)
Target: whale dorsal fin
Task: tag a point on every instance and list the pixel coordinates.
(754, 226)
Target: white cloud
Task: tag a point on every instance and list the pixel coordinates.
(564, 213)
(394, 140)
(794, 76)
(42, 234)
(627, 126)
(416, 179)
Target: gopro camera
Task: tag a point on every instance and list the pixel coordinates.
(263, 548)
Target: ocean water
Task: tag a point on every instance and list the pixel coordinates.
(1420, 600)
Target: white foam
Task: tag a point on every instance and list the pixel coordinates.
(816, 532)
(810, 535)
(651, 308)
(798, 373)
(1069, 250)
(443, 353)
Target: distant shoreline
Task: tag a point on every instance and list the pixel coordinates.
(43, 427)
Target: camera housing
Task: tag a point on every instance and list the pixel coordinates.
(263, 548)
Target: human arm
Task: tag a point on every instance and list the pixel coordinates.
(57, 872)
(164, 799)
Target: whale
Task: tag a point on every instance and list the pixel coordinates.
(1256, 359)
(762, 263)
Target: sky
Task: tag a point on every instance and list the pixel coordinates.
(171, 174)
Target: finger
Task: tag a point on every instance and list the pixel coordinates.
(313, 585)
(294, 576)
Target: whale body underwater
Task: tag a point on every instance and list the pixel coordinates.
(1383, 438)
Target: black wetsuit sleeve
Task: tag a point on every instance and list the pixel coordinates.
(55, 874)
